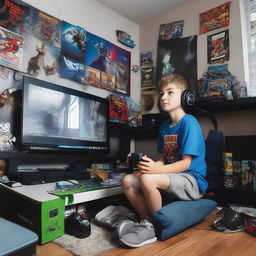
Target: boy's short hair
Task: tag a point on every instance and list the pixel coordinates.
(175, 79)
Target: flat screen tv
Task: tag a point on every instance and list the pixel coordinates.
(59, 118)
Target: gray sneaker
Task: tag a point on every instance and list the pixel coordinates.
(125, 227)
(142, 234)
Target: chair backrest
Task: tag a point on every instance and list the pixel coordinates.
(213, 157)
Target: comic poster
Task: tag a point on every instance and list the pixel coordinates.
(178, 56)
(108, 81)
(92, 77)
(146, 59)
(40, 59)
(47, 28)
(218, 47)
(118, 110)
(214, 18)
(148, 98)
(171, 30)
(109, 58)
(147, 77)
(73, 41)
(11, 49)
(13, 15)
(72, 69)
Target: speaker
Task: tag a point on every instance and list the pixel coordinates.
(188, 99)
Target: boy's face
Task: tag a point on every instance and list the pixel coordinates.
(170, 98)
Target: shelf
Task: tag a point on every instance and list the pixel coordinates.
(227, 105)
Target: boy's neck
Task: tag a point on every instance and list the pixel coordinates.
(175, 116)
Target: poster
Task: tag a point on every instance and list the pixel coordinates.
(73, 41)
(178, 56)
(92, 77)
(214, 18)
(146, 59)
(171, 30)
(111, 59)
(218, 47)
(11, 49)
(147, 77)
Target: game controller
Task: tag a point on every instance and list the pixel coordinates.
(134, 159)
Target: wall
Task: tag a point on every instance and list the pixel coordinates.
(231, 123)
(99, 20)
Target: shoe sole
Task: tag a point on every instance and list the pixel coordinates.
(149, 241)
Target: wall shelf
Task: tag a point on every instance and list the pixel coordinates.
(227, 105)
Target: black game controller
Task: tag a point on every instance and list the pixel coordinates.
(133, 160)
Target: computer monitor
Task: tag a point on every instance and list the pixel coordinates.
(59, 118)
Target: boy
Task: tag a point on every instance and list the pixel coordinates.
(180, 171)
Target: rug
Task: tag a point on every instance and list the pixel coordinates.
(99, 241)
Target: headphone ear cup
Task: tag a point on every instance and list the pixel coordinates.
(188, 99)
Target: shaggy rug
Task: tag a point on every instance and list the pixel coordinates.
(99, 241)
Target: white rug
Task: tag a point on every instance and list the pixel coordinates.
(99, 241)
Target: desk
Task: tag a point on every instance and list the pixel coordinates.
(33, 207)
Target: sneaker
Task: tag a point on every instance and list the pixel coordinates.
(142, 234)
(125, 227)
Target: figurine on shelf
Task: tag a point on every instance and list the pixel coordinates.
(6, 138)
(124, 38)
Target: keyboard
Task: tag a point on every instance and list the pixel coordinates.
(40, 176)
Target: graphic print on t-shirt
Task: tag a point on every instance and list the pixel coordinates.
(171, 149)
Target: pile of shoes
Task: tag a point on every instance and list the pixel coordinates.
(111, 216)
(234, 219)
(77, 222)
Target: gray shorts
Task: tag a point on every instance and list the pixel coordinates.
(183, 186)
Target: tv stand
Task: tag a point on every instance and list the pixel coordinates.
(33, 207)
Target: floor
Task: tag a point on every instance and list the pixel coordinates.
(198, 240)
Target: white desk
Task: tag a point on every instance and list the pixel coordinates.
(33, 207)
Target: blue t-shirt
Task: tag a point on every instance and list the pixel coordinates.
(185, 138)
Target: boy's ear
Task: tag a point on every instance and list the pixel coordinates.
(188, 99)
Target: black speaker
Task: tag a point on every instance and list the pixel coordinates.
(188, 99)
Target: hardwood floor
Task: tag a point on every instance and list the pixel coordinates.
(198, 240)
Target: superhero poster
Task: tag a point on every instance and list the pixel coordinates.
(14, 15)
(171, 30)
(11, 49)
(214, 18)
(46, 28)
(218, 47)
(178, 56)
(111, 59)
(72, 69)
(92, 77)
(118, 109)
(73, 41)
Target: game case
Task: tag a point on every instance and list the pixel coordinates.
(92, 77)
(108, 81)
(118, 110)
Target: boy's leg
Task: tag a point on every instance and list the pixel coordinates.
(132, 190)
(150, 184)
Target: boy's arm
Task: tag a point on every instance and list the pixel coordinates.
(152, 167)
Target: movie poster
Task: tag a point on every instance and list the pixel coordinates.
(111, 59)
(178, 56)
(146, 59)
(73, 41)
(214, 18)
(92, 77)
(171, 30)
(218, 47)
(14, 16)
(72, 69)
(47, 28)
(11, 49)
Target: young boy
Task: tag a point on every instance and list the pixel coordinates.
(180, 171)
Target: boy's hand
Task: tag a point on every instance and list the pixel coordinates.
(147, 165)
